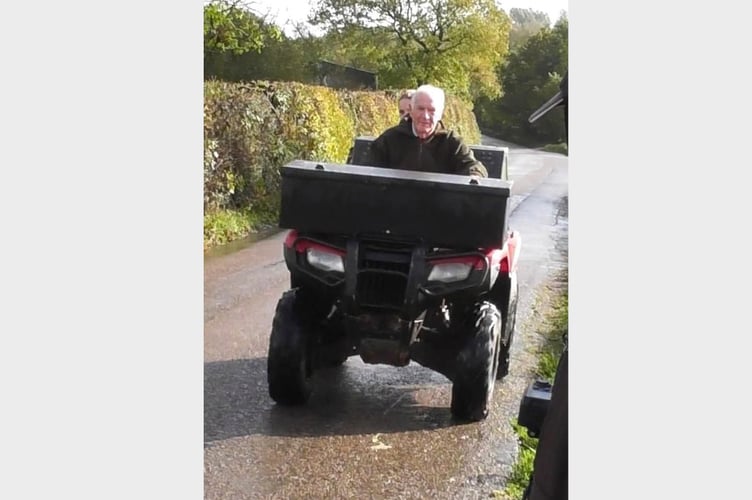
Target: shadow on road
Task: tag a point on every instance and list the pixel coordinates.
(350, 399)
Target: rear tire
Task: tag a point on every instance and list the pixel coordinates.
(473, 385)
(509, 326)
(288, 363)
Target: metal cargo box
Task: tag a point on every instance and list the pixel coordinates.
(442, 210)
(494, 158)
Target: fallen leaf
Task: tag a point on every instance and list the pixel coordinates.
(379, 445)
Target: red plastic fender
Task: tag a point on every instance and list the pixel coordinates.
(514, 242)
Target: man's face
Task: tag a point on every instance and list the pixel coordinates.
(424, 115)
(404, 107)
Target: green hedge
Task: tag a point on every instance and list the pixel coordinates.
(251, 129)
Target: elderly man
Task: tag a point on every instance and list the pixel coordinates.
(422, 143)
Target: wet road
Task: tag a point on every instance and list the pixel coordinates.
(369, 431)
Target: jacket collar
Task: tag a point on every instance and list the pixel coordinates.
(406, 127)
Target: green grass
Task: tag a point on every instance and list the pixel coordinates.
(555, 327)
(557, 148)
(224, 226)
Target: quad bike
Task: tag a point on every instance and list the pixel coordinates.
(394, 266)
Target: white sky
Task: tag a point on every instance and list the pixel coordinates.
(298, 10)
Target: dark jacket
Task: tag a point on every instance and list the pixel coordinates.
(443, 152)
(550, 478)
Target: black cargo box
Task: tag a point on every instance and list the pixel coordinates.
(442, 210)
(494, 158)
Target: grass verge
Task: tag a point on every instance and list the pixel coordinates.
(224, 226)
(557, 148)
(554, 328)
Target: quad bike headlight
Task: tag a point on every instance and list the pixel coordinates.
(450, 272)
(325, 261)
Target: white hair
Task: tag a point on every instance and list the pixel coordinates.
(437, 97)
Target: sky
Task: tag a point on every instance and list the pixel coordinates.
(297, 10)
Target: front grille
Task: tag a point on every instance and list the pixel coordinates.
(381, 290)
(383, 273)
(380, 265)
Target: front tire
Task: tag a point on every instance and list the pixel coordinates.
(288, 363)
(473, 385)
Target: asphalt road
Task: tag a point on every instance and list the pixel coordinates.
(369, 431)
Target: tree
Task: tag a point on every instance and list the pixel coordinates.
(530, 77)
(232, 26)
(456, 44)
(525, 23)
(287, 59)
(231, 29)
